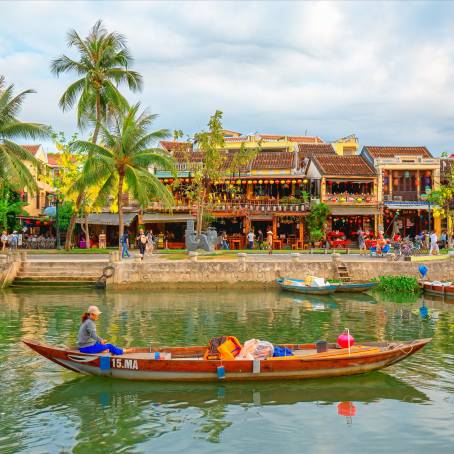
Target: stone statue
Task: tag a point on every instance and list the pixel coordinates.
(206, 240)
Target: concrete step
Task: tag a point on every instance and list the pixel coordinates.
(59, 284)
(52, 278)
(59, 273)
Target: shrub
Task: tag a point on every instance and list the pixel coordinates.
(398, 285)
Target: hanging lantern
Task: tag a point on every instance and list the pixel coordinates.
(277, 181)
(407, 174)
(166, 180)
(249, 181)
(305, 181)
(260, 181)
(385, 188)
(396, 182)
(187, 180)
(287, 181)
(427, 173)
(293, 181)
(46, 223)
(266, 181)
(170, 180)
(38, 222)
(254, 182)
(244, 182)
(271, 181)
(238, 181)
(299, 181)
(417, 183)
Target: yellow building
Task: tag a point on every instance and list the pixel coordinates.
(346, 146)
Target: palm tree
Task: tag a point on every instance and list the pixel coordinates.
(102, 65)
(14, 159)
(121, 163)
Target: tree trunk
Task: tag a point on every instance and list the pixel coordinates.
(80, 197)
(200, 208)
(121, 227)
(87, 233)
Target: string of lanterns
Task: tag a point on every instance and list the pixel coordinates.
(244, 182)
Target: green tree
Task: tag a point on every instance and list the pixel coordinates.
(15, 161)
(121, 163)
(316, 221)
(102, 64)
(215, 164)
(10, 207)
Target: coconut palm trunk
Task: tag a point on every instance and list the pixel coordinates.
(121, 226)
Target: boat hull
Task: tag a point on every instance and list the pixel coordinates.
(307, 290)
(143, 368)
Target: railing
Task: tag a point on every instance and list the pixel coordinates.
(405, 196)
(363, 199)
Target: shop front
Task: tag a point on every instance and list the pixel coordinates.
(169, 229)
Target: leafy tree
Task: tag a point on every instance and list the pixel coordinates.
(316, 221)
(15, 161)
(215, 164)
(103, 64)
(443, 197)
(10, 207)
(121, 163)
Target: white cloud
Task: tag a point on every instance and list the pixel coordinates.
(380, 70)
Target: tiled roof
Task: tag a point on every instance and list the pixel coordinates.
(175, 146)
(343, 165)
(273, 160)
(390, 152)
(307, 150)
(191, 156)
(33, 149)
(235, 139)
(53, 159)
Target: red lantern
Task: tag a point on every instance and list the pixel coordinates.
(396, 182)
(287, 181)
(187, 180)
(38, 222)
(170, 180)
(254, 182)
(427, 173)
(266, 181)
(244, 182)
(299, 181)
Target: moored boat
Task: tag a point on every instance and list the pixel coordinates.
(445, 289)
(188, 363)
(298, 286)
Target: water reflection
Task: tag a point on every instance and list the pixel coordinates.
(42, 402)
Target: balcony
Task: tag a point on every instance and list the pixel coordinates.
(350, 199)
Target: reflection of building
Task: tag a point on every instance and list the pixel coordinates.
(348, 185)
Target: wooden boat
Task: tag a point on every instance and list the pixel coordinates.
(354, 287)
(298, 286)
(187, 363)
(439, 289)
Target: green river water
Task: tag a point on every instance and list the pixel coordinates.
(408, 407)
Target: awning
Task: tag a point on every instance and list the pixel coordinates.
(166, 217)
(107, 218)
(353, 210)
(409, 205)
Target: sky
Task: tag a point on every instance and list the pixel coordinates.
(381, 70)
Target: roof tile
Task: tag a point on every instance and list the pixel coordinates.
(391, 151)
(343, 165)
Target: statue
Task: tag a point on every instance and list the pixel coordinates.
(205, 241)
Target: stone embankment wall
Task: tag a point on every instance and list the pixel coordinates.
(9, 264)
(188, 273)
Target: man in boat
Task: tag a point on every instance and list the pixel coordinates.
(88, 341)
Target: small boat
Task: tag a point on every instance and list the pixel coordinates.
(445, 289)
(354, 287)
(298, 286)
(187, 364)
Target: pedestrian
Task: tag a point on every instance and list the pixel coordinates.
(142, 241)
(426, 238)
(444, 239)
(4, 239)
(250, 239)
(88, 340)
(150, 243)
(260, 239)
(124, 242)
(102, 240)
(433, 244)
(269, 240)
(397, 240)
(361, 242)
(224, 241)
(13, 240)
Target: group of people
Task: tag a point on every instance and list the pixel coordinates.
(21, 239)
(11, 240)
(381, 245)
(262, 242)
(145, 242)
